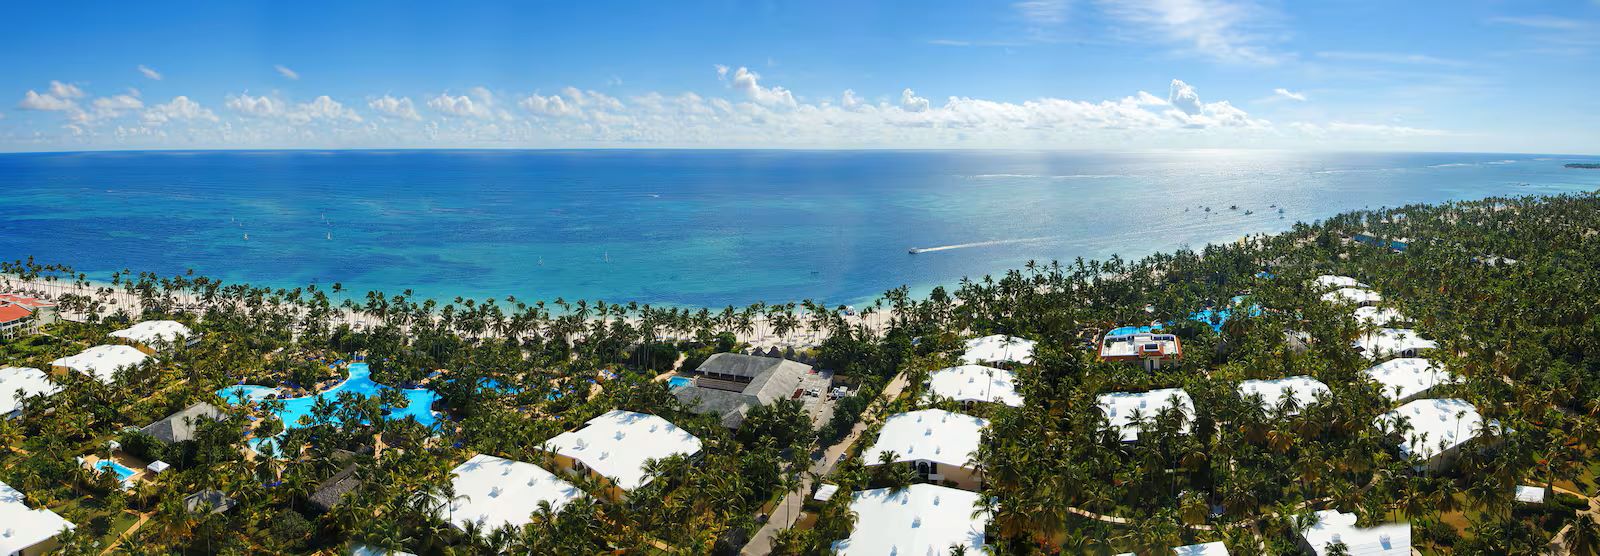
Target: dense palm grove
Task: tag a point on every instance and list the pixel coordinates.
(1525, 337)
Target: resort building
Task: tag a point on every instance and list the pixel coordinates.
(1353, 296)
(1378, 317)
(208, 502)
(729, 384)
(1129, 412)
(919, 520)
(1438, 428)
(1329, 282)
(1334, 528)
(25, 531)
(22, 316)
(614, 448)
(971, 384)
(1393, 342)
(1207, 549)
(28, 381)
(1148, 348)
(496, 492)
(332, 491)
(998, 349)
(181, 426)
(938, 444)
(101, 362)
(1304, 390)
(153, 335)
(1408, 378)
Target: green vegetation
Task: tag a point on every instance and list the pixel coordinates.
(1525, 338)
(1583, 165)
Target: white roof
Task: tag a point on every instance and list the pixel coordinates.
(826, 492)
(154, 332)
(1352, 295)
(30, 381)
(22, 527)
(975, 383)
(1207, 549)
(1305, 390)
(101, 362)
(1389, 539)
(1120, 407)
(618, 444)
(369, 550)
(1129, 345)
(1375, 316)
(1329, 282)
(1411, 375)
(998, 349)
(1530, 494)
(1434, 422)
(932, 435)
(920, 520)
(1387, 342)
(158, 466)
(497, 492)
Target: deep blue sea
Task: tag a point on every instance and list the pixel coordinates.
(697, 228)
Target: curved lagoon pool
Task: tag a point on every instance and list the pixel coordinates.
(360, 381)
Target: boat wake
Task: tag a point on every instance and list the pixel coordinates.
(918, 250)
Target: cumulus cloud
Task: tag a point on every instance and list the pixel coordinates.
(65, 90)
(47, 102)
(179, 109)
(116, 105)
(150, 73)
(321, 108)
(749, 83)
(393, 107)
(478, 103)
(261, 107)
(1234, 31)
(849, 100)
(910, 102)
(1288, 94)
(1183, 97)
(286, 72)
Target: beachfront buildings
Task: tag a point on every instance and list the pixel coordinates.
(1302, 389)
(26, 380)
(1377, 316)
(998, 349)
(1329, 282)
(919, 520)
(1353, 296)
(1333, 528)
(729, 384)
(1150, 349)
(970, 384)
(938, 444)
(614, 448)
(22, 316)
(1393, 342)
(495, 492)
(154, 335)
(1437, 428)
(101, 362)
(181, 426)
(1407, 378)
(26, 531)
(1131, 412)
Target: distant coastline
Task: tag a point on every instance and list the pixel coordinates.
(1583, 165)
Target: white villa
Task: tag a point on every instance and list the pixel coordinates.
(150, 335)
(1150, 349)
(920, 520)
(1332, 282)
(1303, 388)
(937, 443)
(975, 383)
(25, 531)
(1393, 342)
(1333, 527)
(1353, 296)
(1121, 408)
(1378, 316)
(497, 492)
(1438, 427)
(614, 447)
(1408, 378)
(102, 362)
(998, 349)
(30, 381)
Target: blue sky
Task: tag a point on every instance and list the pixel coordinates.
(1084, 74)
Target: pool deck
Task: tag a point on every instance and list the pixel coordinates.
(140, 468)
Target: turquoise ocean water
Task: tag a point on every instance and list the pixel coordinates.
(698, 228)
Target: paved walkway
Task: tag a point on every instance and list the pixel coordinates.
(1558, 544)
(788, 510)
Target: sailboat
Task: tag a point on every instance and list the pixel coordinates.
(608, 257)
(330, 236)
(247, 237)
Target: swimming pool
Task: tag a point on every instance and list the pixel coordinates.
(123, 472)
(677, 382)
(419, 406)
(1125, 330)
(1215, 318)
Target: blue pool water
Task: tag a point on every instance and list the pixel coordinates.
(122, 471)
(677, 382)
(359, 382)
(1134, 330)
(1218, 316)
(645, 225)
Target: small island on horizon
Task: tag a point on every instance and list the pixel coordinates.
(1584, 165)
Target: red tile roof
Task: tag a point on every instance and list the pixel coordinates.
(13, 313)
(25, 301)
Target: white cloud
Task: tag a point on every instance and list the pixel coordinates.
(910, 102)
(180, 109)
(320, 108)
(1364, 130)
(1042, 12)
(390, 106)
(849, 100)
(749, 83)
(113, 106)
(323, 108)
(260, 107)
(1224, 30)
(478, 103)
(1288, 94)
(1388, 58)
(46, 102)
(150, 73)
(1543, 22)
(286, 72)
(65, 90)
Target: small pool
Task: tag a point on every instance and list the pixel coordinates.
(123, 472)
(419, 406)
(677, 382)
(1126, 330)
(1215, 318)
